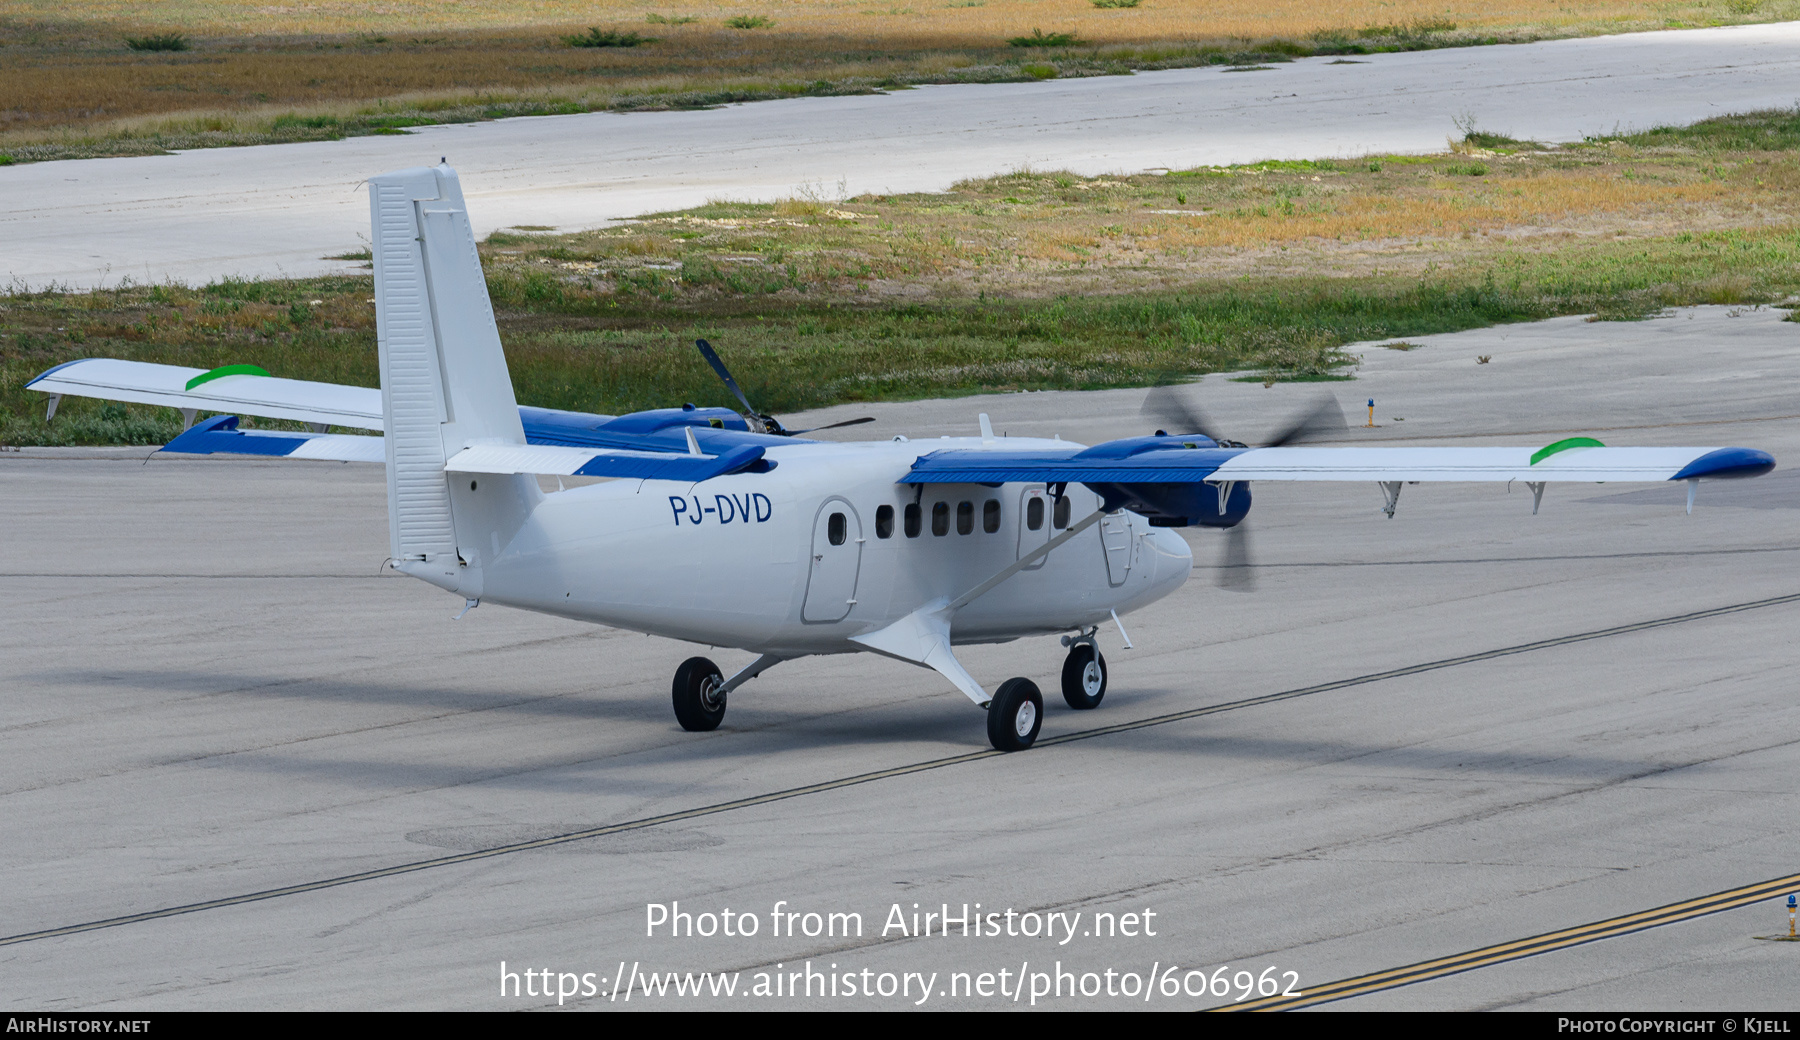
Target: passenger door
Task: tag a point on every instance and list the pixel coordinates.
(837, 545)
(1034, 523)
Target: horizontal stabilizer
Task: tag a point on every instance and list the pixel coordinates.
(551, 460)
(234, 388)
(221, 436)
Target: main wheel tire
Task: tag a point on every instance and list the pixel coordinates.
(699, 703)
(1084, 677)
(1014, 715)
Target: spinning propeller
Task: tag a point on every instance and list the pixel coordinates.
(757, 421)
(1176, 413)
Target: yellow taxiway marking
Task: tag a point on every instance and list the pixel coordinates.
(1425, 971)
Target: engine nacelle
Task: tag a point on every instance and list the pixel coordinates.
(1180, 505)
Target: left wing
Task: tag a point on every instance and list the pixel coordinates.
(245, 389)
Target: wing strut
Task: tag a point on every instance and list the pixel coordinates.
(1391, 488)
(923, 636)
(1026, 560)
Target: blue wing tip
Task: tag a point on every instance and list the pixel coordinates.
(1728, 464)
(52, 370)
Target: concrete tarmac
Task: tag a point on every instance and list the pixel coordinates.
(279, 210)
(212, 691)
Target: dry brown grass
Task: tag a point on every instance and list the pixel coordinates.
(1027, 281)
(67, 77)
(1042, 234)
(1170, 19)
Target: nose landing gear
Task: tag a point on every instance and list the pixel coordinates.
(1084, 677)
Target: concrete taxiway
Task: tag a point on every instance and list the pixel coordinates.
(211, 691)
(280, 210)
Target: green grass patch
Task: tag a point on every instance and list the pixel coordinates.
(1768, 131)
(172, 41)
(1499, 142)
(1040, 38)
(750, 21)
(570, 346)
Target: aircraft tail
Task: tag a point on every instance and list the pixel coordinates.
(444, 383)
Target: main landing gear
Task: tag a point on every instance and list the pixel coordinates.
(1017, 710)
(699, 695)
(1015, 715)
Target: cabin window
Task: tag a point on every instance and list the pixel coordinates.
(884, 522)
(1034, 514)
(837, 529)
(912, 520)
(940, 519)
(1060, 516)
(990, 516)
(965, 517)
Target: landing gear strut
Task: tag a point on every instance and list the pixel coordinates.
(1084, 677)
(1014, 715)
(699, 695)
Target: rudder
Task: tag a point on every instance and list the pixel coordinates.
(444, 381)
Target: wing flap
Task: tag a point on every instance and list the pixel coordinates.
(220, 436)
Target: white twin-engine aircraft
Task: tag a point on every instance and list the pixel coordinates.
(723, 528)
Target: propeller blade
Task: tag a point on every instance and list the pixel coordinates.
(1320, 422)
(1235, 570)
(1174, 413)
(835, 425)
(706, 351)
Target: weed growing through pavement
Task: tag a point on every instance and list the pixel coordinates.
(158, 42)
(1040, 38)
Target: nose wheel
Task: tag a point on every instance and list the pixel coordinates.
(1014, 715)
(698, 695)
(1084, 677)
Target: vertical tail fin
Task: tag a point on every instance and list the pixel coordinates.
(444, 381)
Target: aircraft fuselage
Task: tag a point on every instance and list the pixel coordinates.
(799, 559)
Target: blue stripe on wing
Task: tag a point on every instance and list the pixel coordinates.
(1174, 465)
(675, 467)
(220, 434)
(1162, 478)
